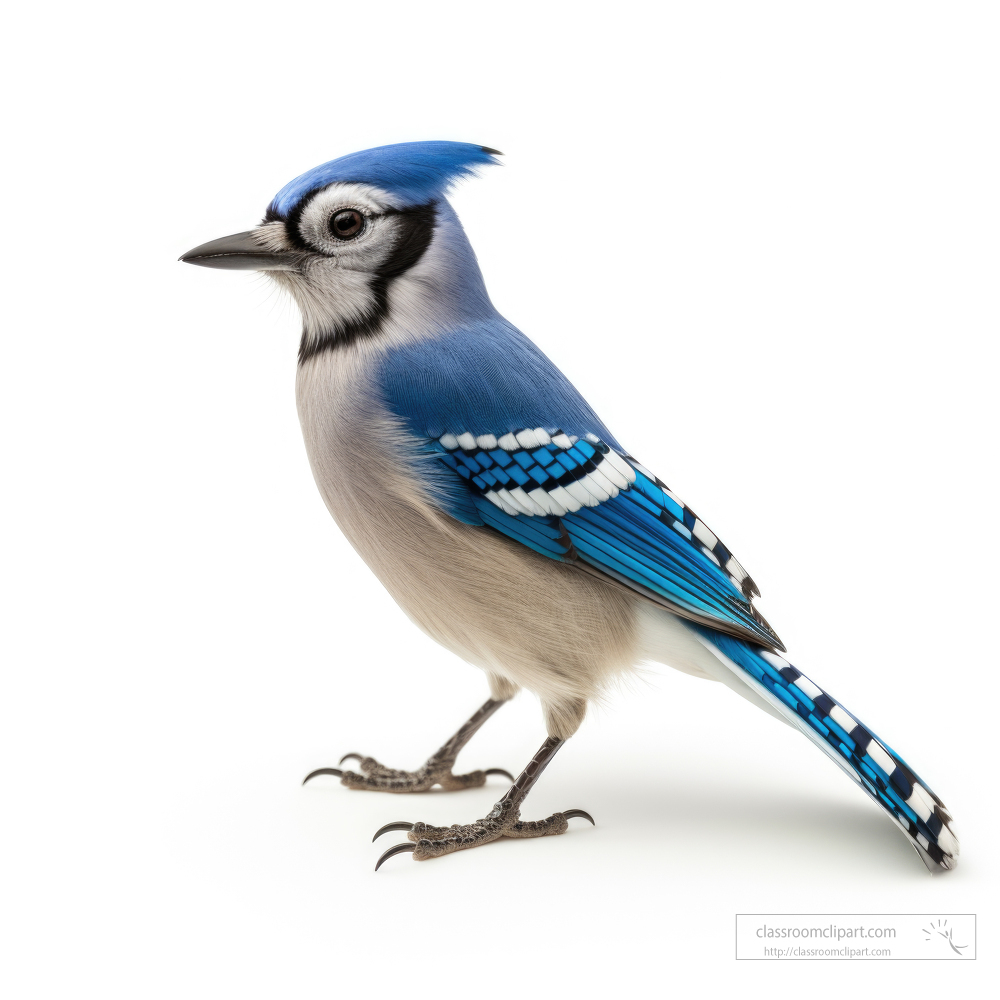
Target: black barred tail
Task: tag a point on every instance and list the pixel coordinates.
(869, 761)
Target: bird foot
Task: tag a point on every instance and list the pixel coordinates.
(376, 777)
(504, 821)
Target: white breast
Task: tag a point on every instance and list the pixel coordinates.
(526, 620)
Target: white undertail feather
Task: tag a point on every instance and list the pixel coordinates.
(665, 638)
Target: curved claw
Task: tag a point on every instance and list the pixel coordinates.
(400, 824)
(348, 756)
(398, 849)
(500, 770)
(572, 813)
(335, 771)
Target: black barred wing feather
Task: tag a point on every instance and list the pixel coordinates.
(578, 500)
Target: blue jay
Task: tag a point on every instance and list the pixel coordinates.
(497, 509)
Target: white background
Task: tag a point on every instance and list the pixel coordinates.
(761, 238)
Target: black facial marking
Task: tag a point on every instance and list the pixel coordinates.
(291, 222)
(414, 232)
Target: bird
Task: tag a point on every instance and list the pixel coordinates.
(498, 510)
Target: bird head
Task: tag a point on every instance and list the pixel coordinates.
(366, 240)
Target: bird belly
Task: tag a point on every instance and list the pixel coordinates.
(528, 621)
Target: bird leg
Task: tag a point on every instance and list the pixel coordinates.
(504, 819)
(377, 777)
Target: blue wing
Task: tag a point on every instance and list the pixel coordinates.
(488, 404)
(579, 500)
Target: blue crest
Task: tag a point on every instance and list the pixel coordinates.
(416, 172)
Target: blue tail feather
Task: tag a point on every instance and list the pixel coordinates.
(866, 758)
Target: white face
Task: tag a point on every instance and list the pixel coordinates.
(353, 239)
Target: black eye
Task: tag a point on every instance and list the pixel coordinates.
(347, 224)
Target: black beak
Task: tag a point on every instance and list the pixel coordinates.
(241, 252)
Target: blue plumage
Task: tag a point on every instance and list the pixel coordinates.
(485, 377)
(415, 172)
